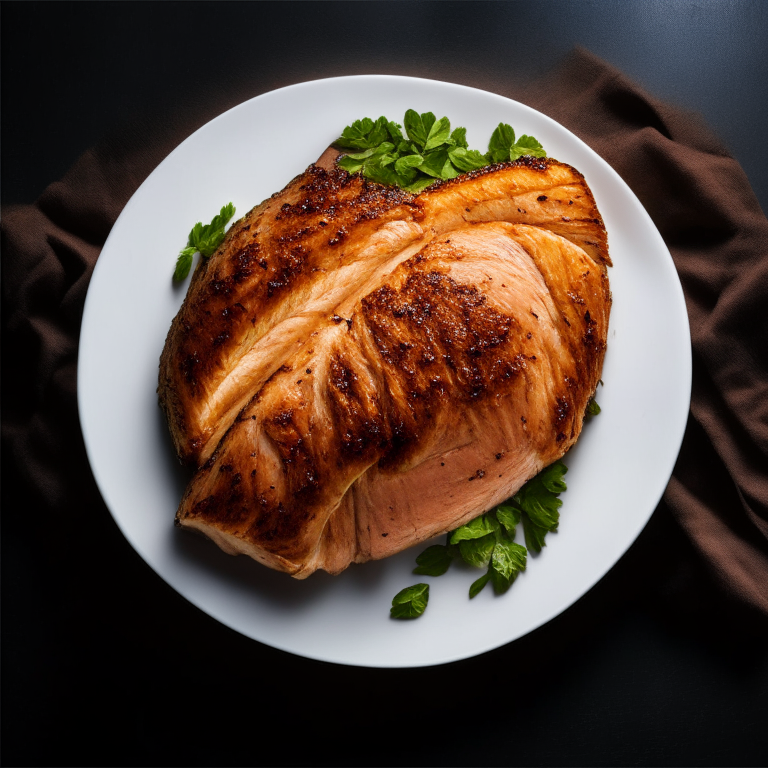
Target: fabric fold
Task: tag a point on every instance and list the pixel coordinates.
(696, 193)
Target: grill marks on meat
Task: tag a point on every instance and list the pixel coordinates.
(287, 268)
(459, 374)
(280, 271)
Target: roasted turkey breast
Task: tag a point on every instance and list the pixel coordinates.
(357, 369)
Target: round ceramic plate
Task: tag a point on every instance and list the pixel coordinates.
(617, 471)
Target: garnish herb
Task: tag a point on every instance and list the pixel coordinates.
(433, 561)
(475, 529)
(205, 239)
(477, 586)
(507, 561)
(428, 151)
(538, 500)
(488, 541)
(410, 602)
(592, 407)
(477, 552)
(503, 147)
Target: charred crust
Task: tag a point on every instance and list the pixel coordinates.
(188, 368)
(591, 337)
(284, 418)
(299, 461)
(562, 410)
(438, 341)
(256, 267)
(323, 188)
(226, 509)
(362, 431)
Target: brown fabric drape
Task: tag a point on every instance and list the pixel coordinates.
(697, 195)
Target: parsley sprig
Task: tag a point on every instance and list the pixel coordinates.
(205, 239)
(488, 541)
(428, 151)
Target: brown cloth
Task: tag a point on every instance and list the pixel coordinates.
(697, 195)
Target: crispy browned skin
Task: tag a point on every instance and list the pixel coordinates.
(287, 266)
(537, 191)
(450, 381)
(275, 268)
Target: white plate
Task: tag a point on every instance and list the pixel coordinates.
(618, 470)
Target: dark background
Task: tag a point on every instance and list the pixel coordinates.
(104, 664)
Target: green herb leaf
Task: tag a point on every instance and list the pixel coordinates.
(428, 119)
(450, 171)
(407, 162)
(552, 477)
(355, 136)
(205, 239)
(509, 517)
(539, 502)
(208, 238)
(477, 586)
(503, 147)
(369, 157)
(365, 133)
(415, 129)
(592, 407)
(364, 155)
(395, 132)
(383, 175)
(534, 535)
(526, 145)
(507, 561)
(501, 140)
(459, 137)
(467, 160)
(184, 263)
(348, 163)
(475, 529)
(477, 552)
(410, 602)
(434, 163)
(438, 133)
(419, 185)
(428, 151)
(433, 561)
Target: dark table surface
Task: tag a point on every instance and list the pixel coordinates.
(104, 664)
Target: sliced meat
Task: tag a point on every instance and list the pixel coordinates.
(455, 374)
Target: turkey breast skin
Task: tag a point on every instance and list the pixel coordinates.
(285, 267)
(445, 387)
(358, 369)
